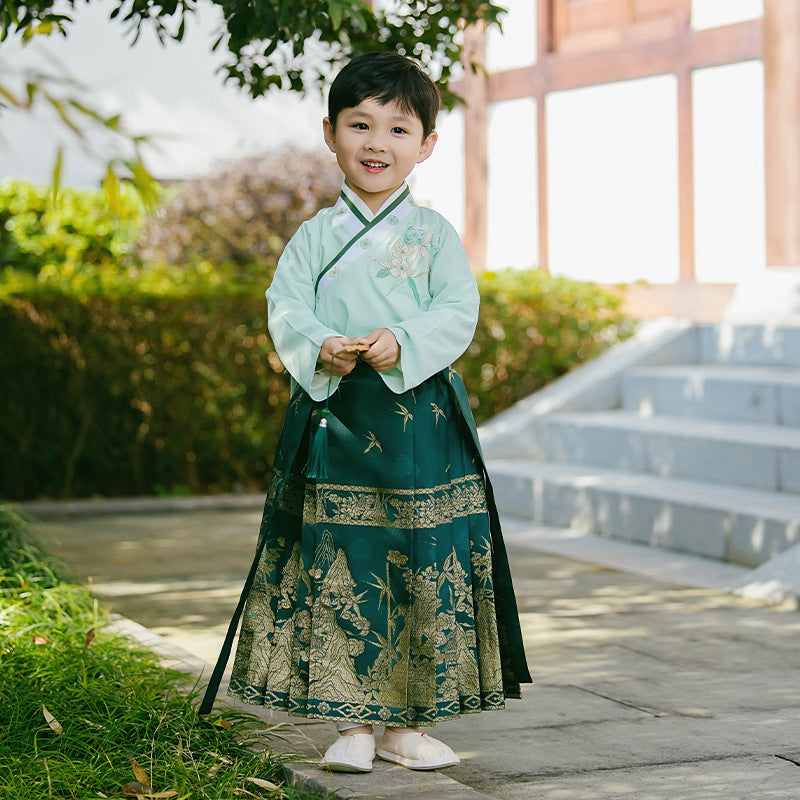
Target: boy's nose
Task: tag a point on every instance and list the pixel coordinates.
(376, 142)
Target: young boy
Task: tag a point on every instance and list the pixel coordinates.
(380, 592)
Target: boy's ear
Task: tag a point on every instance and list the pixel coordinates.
(426, 148)
(327, 132)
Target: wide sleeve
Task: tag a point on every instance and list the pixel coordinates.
(439, 335)
(295, 330)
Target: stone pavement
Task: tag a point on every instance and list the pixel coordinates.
(643, 688)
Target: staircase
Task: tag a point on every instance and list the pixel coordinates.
(687, 438)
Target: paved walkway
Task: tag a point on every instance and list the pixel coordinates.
(644, 689)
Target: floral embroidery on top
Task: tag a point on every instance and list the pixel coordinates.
(405, 253)
(365, 243)
(393, 220)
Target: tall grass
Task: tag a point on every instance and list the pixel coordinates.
(109, 701)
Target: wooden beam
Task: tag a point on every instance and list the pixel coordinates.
(473, 90)
(729, 44)
(541, 184)
(686, 221)
(782, 131)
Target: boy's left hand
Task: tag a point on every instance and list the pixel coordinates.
(384, 350)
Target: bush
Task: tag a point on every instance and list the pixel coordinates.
(171, 383)
(532, 328)
(77, 232)
(243, 215)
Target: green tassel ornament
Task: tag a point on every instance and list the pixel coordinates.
(317, 465)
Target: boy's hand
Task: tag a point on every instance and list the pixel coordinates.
(384, 351)
(340, 353)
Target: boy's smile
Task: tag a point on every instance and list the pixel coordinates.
(376, 147)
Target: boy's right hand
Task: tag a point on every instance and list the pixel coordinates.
(339, 354)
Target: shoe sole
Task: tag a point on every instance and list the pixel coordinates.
(412, 763)
(341, 766)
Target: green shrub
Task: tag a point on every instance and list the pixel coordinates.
(78, 231)
(532, 328)
(244, 214)
(170, 383)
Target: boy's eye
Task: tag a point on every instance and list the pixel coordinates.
(398, 129)
(360, 126)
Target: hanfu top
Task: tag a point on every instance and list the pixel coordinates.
(348, 271)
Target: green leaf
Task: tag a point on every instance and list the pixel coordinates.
(56, 181)
(383, 272)
(111, 189)
(336, 12)
(414, 291)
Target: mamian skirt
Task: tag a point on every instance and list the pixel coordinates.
(380, 593)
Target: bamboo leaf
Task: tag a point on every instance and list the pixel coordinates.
(56, 180)
(111, 189)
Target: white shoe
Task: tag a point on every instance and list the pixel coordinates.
(416, 750)
(352, 753)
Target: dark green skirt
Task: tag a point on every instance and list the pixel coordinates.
(375, 597)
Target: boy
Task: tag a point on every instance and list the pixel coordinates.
(380, 592)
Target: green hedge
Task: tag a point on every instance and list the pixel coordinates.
(76, 232)
(169, 382)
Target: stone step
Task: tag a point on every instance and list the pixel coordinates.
(765, 457)
(769, 345)
(742, 526)
(768, 395)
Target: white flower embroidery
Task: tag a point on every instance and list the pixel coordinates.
(404, 256)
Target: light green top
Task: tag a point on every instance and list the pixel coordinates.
(348, 271)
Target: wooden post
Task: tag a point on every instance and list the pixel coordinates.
(475, 148)
(686, 222)
(782, 131)
(544, 46)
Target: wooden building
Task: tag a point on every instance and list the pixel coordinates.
(582, 43)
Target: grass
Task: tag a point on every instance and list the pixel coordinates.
(116, 715)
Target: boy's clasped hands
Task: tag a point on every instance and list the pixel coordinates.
(379, 349)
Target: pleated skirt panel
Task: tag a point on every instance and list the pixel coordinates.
(374, 597)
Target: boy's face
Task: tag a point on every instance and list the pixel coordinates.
(377, 146)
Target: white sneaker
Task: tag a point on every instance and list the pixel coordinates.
(352, 753)
(415, 750)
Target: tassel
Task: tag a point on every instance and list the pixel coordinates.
(317, 465)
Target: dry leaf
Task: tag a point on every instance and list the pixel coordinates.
(244, 791)
(262, 783)
(54, 724)
(141, 775)
(136, 789)
(161, 795)
(222, 723)
(39, 640)
(89, 637)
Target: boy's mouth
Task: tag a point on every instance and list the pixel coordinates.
(374, 166)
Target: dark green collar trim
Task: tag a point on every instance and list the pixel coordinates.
(368, 226)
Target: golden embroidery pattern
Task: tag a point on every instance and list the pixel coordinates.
(373, 442)
(437, 412)
(429, 653)
(405, 414)
(399, 508)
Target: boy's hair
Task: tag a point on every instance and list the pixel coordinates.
(387, 78)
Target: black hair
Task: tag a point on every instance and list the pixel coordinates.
(385, 77)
